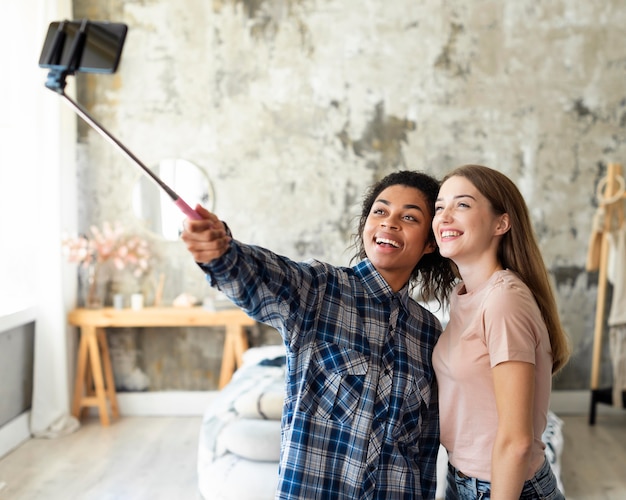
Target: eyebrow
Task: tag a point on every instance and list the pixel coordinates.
(459, 196)
(409, 206)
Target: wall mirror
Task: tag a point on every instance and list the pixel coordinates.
(155, 208)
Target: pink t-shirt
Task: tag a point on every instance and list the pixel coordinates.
(498, 322)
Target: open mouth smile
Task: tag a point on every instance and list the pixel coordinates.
(450, 234)
(385, 241)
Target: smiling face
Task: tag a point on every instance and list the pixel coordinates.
(397, 233)
(466, 228)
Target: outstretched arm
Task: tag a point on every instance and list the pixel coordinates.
(206, 238)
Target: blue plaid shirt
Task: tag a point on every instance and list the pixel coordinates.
(360, 419)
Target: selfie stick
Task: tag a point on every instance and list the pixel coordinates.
(56, 82)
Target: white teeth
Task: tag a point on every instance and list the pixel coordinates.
(449, 234)
(388, 242)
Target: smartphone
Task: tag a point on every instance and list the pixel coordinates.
(102, 49)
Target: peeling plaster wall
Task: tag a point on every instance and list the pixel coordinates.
(294, 107)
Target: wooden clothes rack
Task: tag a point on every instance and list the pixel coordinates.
(610, 216)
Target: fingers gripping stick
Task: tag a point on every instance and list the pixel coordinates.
(186, 209)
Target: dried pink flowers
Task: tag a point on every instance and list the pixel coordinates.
(111, 243)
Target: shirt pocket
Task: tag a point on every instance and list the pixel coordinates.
(417, 400)
(335, 382)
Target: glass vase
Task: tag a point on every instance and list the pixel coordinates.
(93, 285)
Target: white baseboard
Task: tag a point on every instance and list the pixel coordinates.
(577, 403)
(189, 403)
(14, 433)
(164, 403)
(194, 403)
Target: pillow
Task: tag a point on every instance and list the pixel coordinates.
(254, 355)
(252, 439)
(261, 401)
(233, 478)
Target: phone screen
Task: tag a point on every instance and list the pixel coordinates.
(102, 51)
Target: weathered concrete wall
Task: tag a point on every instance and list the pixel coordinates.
(294, 107)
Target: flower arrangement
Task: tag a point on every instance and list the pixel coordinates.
(111, 243)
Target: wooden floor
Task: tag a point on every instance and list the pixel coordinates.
(594, 457)
(135, 458)
(141, 458)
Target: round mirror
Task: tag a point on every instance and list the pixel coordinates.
(157, 210)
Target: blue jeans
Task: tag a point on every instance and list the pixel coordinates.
(542, 486)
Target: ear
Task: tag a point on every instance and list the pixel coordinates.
(503, 225)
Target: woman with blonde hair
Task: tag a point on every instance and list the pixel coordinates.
(504, 341)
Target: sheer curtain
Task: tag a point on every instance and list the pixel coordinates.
(37, 201)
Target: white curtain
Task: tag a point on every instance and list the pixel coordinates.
(48, 129)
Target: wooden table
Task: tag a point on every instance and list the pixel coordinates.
(94, 384)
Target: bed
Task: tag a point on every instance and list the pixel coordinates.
(239, 442)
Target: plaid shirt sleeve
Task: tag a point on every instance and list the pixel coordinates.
(269, 287)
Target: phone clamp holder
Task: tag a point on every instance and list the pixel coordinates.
(59, 72)
(57, 80)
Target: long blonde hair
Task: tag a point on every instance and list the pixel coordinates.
(519, 250)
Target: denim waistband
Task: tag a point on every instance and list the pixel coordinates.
(542, 485)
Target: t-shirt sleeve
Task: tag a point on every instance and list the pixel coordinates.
(512, 319)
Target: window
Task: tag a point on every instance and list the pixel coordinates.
(29, 154)
(18, 158)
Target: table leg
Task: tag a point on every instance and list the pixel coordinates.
(90, 388)
(96, 372)
(235, 343)
(240, 341)
(228, 361)
(108, 371)
(79, 381)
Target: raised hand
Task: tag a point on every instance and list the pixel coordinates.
(206, 238)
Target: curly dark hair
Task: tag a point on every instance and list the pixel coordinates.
(433, 275)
